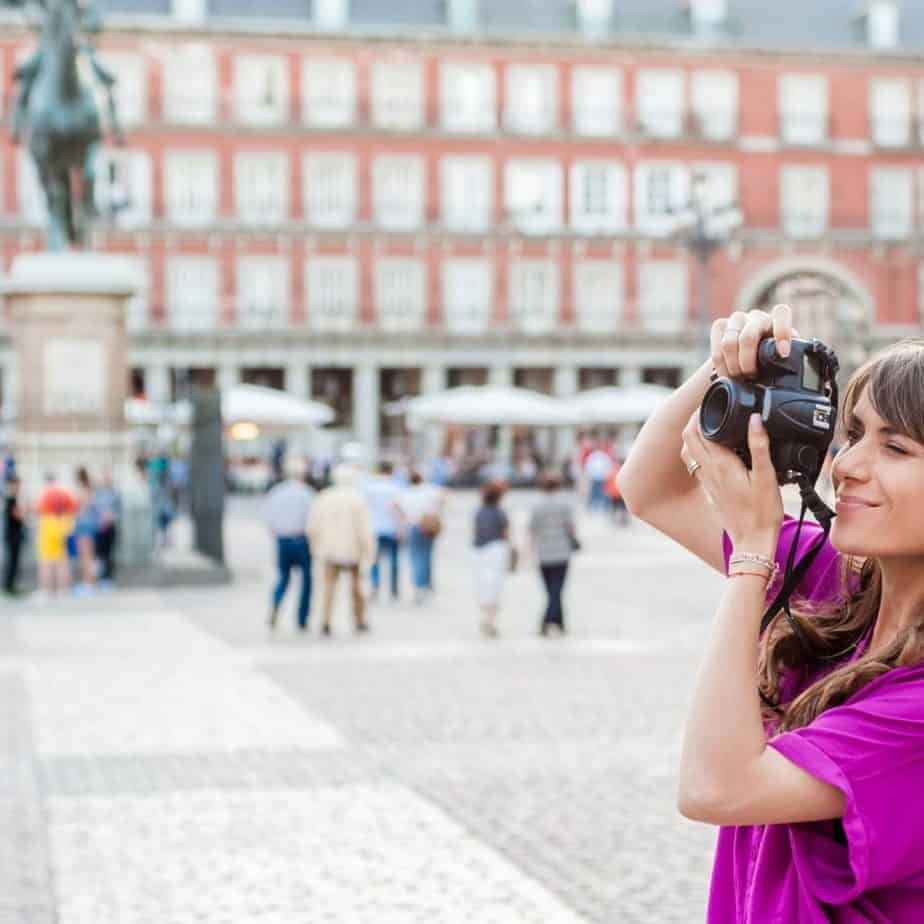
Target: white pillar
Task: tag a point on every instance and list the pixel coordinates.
(157, 384)
(503, 375)
(429, 442)
(229, 375)
(297, 379)
(630, 375)
(366, 409)
(566, 386)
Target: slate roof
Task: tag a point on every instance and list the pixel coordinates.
(778, 24)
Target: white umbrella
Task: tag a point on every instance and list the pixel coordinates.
(141, 413)
(618, 405)
(266, 407)
(477, 405)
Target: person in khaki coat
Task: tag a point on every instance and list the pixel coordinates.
(342, 542)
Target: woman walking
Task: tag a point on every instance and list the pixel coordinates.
(85, 529)
(421, 507)
(551, 529)
(492, 555)
(805, 744)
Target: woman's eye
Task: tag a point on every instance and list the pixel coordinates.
(896, 448)
(852, 436)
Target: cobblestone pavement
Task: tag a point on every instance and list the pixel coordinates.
(165, 759)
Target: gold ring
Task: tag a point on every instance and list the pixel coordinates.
(693, 466)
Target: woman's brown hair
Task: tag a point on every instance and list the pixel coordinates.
(894, 383)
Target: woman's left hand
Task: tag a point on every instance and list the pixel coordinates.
(749, 502)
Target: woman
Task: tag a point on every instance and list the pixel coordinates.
(14, 528)
(85, 529)
(551, 529)
(818, 794)
(492, 554)
(421, 507)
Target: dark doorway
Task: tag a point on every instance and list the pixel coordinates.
(334, 387)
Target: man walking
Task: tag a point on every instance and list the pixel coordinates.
(382, 494)
(14, 527)
(341, 535)
(288, 507)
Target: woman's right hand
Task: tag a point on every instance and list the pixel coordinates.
(734, 340)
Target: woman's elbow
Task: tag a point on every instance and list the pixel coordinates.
(700, 804)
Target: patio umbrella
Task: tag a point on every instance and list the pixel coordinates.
(265, 407)
(618, 405)
(485, 405)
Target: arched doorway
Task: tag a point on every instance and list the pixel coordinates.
(828, 302)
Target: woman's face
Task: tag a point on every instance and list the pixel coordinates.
(878, 477)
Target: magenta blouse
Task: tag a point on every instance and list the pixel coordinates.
(869, 866)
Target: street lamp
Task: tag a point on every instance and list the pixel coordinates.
(704, 228)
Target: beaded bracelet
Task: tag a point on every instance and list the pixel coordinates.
(759, 574)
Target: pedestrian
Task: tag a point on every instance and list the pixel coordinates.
(554, 539)
(14, 530)
(341, 536)
(597, 468)
(382, 494)
(421, 506)
(287, 512)
(614, 495)
(492, 554)
(108, 504)
(805, 743)
(86, 525)
(56, 507)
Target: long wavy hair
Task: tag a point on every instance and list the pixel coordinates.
(894, 383)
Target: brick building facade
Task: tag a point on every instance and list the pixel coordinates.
(361, 214)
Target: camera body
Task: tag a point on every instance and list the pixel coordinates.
(796, 397)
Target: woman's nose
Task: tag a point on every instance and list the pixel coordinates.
(850, 462)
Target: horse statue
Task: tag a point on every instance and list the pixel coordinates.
(56, 114)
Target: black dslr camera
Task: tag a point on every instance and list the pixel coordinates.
(796, 398)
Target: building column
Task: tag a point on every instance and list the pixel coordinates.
(429, 441)
(630, 375)
(366, 409)
(157, 384)
(229, 375)
(503, 376)
(566, 386)
(298, 379)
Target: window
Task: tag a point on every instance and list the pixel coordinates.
(661, 190)
(890, 111)
(400, 294)
(263, 292)
(533, 295)
(663, 295)
(716, 184)
(136, 311)
(598, 196)
(596, 101)
(469, 97)
(190, 85)
(193, 287)
(882, 24)
(659, 102)
(332, 293)
(130, 90)
(123, 186)
(398, 190)
(328, 92)
(261, 85)
(891, 202)
(467, 193)
(191, 182)
(715, 104)
(397, 95)
(532, 194)
(805, 197)
(598, 295)
(532, 99)
(261, 187)
(331, 14)
(189, 10)
(468, 294)
(330, 189)
(803, 108)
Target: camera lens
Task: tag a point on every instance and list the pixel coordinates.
(714, 412)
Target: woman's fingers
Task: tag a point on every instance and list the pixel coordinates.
(782, 328)
(736, 324)
(759, 324)
(715, 346)
(762, 470)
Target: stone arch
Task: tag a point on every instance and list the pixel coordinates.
(828, 300)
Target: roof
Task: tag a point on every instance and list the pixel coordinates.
(784, 24)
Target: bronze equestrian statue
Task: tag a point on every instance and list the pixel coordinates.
(56, 115)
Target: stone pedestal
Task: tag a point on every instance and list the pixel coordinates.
(67, 314)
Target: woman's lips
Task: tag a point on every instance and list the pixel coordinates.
(847, 504)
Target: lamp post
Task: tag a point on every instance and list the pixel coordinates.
(704, 228)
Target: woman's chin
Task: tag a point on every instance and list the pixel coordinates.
(847, 542)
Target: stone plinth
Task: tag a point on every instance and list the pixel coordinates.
(67, 313)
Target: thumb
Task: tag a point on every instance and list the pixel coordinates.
(759, 445)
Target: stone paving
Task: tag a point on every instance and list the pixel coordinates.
(164, 758)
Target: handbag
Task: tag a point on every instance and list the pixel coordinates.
(431, 525)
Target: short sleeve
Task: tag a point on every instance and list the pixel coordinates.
(823, 579)
(872, 749)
